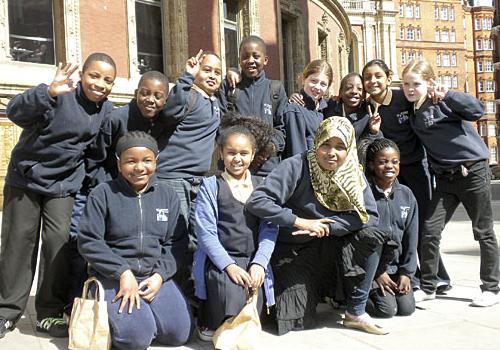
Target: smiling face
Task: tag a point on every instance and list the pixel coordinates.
(385, 167)
(316, 84)
(137, 165)
(351, 92)
(210, 74)
(97, 80)
(151, 96)
(414, 86)
(376, 82)
(331, 154)
(237, 154)
(253, 59)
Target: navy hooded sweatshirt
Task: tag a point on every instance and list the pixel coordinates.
(48, 158)
(121, 229)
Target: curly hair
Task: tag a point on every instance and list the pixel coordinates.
(257, 130)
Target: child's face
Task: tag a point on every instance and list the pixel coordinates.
(414, 87)
(331, 154)
(151, 96)
(97, 80)
(385, 166)
(315, 85)
(351, 92)
(137, 165)
(252, 59)
(237, 154)
(376, 81)
(210, 74)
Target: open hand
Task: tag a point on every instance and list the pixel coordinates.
(386, 284)
(62, 82)
(129, 292)
(297, 99)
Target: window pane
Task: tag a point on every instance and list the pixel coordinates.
(31, 31)
(149, 37)
(230, 10)
(231, 43)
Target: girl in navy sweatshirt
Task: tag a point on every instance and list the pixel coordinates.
(132, 238)
(46, 169)
(459, 157)
(325, 211)
(302, 120)
(234, 246)
(398, 216)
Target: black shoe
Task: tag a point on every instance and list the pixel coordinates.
(56, 327)
(443, 288)
(5, 327)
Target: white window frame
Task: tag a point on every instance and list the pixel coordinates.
(410, 34)
(444, 13)
(445, 60)
(402, 33)
(477, 23)
(445, 36)
(454, 82)
(479, 66)
(409, 10)
(490, 86)
(453, 59)
(490, 107)
(403, 57)
(417, 11)
(436, 12)
(453, 36)
(452, 13)
(437, 35)
(401, 10)
(488, 66)
(479, 44)
(480, 86)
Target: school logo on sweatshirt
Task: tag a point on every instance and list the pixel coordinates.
(268, 109)
(162, 215)
(403, 117)
(404, 212)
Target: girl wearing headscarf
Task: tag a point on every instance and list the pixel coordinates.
(327, 244)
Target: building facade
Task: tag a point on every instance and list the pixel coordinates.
(482, 13)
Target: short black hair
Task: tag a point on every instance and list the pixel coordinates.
(136, 139)
(255, 40)
(98, 56)
(154, 75)
(368, 149)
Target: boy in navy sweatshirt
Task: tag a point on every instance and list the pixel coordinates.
(258, 96)
(46, 169)
(459, 157)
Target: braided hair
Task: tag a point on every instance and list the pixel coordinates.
(373, 148)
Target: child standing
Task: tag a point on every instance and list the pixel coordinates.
(302, 121)
(459, 157)
(256, 95)
(398, 216)
(237, 244)
(46, 169)
(394, 110)
(135, 255)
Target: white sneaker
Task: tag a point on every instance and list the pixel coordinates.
(485, 299)
(420, 295)
(205, 333)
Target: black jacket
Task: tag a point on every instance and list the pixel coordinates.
(121, 230)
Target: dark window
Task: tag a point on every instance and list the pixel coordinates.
(149, 35)
(31, 31)
(231, 39)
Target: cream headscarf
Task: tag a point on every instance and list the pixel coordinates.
(339, 190)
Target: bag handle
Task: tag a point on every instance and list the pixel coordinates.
(99, 290)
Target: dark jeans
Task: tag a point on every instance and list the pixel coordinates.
(24, 213)
(390, 305)
(474, 192)
(167, 319)
(417, 177)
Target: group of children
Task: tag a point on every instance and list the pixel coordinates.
(290, 209)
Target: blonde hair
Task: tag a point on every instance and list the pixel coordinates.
(422, 67)
(318, 66)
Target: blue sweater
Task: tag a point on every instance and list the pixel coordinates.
(287, 193)
(255, 100)
(121, 230)
(398, 216)
(301, 123)
(192, 122)
(446, 132)
(209, 245)
(48, 158)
